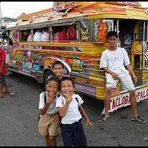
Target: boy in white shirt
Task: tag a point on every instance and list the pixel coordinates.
(58, 69)
(113, 61)
(49, 119)
(69, 108)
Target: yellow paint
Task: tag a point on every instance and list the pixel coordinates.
(137, 47)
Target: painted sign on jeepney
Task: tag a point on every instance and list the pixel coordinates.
(123, 99)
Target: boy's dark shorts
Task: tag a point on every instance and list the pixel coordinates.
(2, 79)
(73, 134)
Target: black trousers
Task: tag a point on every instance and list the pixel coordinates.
(73, 134)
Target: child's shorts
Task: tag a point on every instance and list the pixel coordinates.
(127, 82)
(49, 124)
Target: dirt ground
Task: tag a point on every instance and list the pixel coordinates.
(18, 119)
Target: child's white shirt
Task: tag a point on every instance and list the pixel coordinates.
(52, 107)
(73, 114)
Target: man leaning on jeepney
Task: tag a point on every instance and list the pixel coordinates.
(113, 61)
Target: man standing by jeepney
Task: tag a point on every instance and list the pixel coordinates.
(3, 71)
(113, 61)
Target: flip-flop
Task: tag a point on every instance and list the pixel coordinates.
(10, 93)
(1, 96)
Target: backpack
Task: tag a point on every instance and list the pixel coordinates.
(44, 102)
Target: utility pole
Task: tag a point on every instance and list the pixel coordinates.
(0, 16)
(1, 25)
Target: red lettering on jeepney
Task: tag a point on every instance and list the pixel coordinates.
(126, 99)
(118, 102)
(113, 104)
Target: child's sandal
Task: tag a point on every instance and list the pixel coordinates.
(138, 119)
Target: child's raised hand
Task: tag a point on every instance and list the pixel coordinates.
(50, 99)
(68, 98)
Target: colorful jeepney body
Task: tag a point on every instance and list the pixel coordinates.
(90, 21)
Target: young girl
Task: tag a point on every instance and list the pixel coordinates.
(68, 105)
(49, 119)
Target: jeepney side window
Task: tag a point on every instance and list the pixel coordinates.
(71, 32)
(59, 33)
(63, 33)
(30, 36)
(45, 36)
(37, 35)
(24, 35)
(100, 29)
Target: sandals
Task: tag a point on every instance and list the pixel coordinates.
(104, 117)
(10, 93)
(1, 96)
(138, 120)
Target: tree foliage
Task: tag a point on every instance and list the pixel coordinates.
(8, 19)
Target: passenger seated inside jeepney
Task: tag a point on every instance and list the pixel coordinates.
(30, 37)
(45, 35)
(37, 35)
(71, 32)
(60, 34)
(126, 38)
(24, 36)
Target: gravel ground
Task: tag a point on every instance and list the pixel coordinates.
(18, 119)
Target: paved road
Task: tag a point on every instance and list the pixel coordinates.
(18, 119)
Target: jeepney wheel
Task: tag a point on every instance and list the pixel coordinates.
(46, 75)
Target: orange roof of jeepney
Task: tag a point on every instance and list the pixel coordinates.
(92, 10)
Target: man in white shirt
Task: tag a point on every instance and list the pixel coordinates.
(37, 36)
(113, 61)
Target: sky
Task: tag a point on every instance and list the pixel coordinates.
(14, 9)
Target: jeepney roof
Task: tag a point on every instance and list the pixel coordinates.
(80, 11)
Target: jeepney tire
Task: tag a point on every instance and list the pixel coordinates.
(46, 75)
